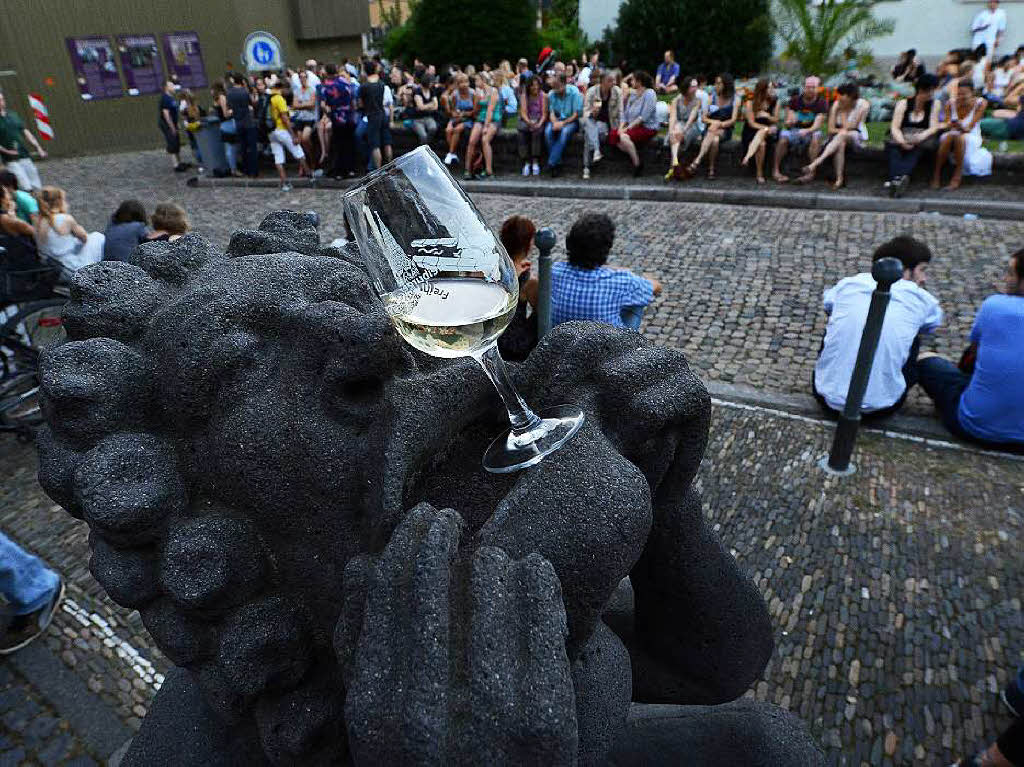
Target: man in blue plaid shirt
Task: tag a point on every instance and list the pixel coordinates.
(586, 289)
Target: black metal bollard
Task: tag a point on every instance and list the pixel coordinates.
(545, 239)
(885, 271)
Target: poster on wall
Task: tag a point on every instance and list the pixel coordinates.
(140, 62)
(95, 69)
(184, 59)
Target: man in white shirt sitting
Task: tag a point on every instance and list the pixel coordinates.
(912, 310)
(988, 27)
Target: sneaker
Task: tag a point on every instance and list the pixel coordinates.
(553, 170)
(181, 167)
(526, 169)
(286, 187)
(1013, 698)
(450, 158)
(597, 156)
(24, 628)
(586, 174)
(903, 186)
(536, 169)
(318, 173)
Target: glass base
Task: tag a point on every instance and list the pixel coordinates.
(512, 452)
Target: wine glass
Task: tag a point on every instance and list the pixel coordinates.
(449, 287)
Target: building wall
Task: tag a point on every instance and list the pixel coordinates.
(33, 52)
(934, 27)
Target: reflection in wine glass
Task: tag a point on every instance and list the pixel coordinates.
(449, 287)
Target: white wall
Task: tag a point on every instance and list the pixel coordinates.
(595, 15)
(936, 26)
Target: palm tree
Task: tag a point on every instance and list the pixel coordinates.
(814, 32)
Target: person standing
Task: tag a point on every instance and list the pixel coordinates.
(667, 74)
(564, 107)
(988, 28)
(238, 101)
(371, 103)
(31, 593)
(912, 311)
(167, 121)
(14, 153)
(338, 99)
(284, 137)
(601, 110)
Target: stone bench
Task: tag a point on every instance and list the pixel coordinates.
(867, 162)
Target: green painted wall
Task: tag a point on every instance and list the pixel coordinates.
(32, 45)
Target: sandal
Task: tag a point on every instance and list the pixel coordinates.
(760, 180)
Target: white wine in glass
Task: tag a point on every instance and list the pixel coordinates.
(449, 287)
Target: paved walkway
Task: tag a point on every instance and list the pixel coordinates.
(895, 592)
(743, 285)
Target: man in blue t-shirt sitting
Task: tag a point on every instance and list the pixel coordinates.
(586, 289)
(987, 404)
(667, 75)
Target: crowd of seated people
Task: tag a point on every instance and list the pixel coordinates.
(41, 224)
(339, 120)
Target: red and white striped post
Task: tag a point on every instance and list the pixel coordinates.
(42, 115)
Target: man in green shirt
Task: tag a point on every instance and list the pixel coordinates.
(13, 152)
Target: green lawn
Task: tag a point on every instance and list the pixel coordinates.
(877, 131)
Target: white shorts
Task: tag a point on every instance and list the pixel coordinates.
(25, 171)
(280, 140)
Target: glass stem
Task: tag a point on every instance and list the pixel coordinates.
(519, 415)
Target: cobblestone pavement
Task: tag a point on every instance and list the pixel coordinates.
(895, 593)
(32, 732)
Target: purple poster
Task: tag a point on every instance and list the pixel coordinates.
(140, 62)
(95, 68)
(184, 59)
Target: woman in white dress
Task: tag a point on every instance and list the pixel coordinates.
(961, 145)
(60, 237)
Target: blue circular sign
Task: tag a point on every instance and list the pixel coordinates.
(262, 52)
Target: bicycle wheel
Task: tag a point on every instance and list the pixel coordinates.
(19, 403)
(39, 321)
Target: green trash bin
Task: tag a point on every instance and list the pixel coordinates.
(995, 127)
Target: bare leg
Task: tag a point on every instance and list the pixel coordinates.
(281, 174)
(839, 161)
(323, 132)
(674, 141)
(488, 151)
(959, 150)
(705, 145)
(713, 154)
(762, 152)
(755, 144)
(375, 156)
(815, 149)
(780, 153)
(627, 146)
(474, 140)
(941, 158)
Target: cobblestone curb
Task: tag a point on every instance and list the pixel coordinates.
(809, 200)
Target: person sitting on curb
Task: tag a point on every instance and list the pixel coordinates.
(685, 125)
(720, 118)
(639, 123)
(586, 289)
(914, 130)
(805, 116)
(564, 106)
(602, 111)
(847, 126)
(912, 311)
(982, 400)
